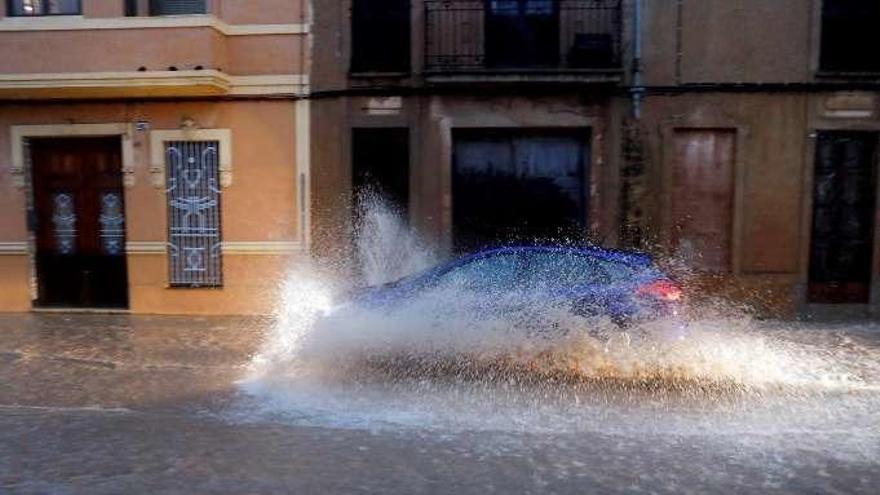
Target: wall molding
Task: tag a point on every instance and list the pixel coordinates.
(13, 248)
(145, 247)
(135, 83)
(234, 248)
(80, 23)
(261, 247)
(20, 133)
(269, 84)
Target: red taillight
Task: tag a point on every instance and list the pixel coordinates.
(662, 289)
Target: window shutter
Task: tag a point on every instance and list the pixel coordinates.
(177, 7)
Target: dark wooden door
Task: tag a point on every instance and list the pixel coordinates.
(702, 197)
(844, 198)
(80, 222)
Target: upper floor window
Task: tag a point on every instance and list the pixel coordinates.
(380, 39)
(43, 7)
(850, 35)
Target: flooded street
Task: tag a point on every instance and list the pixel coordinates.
(123, 404)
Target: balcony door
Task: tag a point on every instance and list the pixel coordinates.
(522, 33)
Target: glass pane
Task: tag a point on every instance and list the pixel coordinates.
(64, 222)
(112, 224)
(539, 7)
(44, 7)
(504, 7)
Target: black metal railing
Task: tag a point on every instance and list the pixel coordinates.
(505, 35)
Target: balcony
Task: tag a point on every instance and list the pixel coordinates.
(61, 57)
(513, 40)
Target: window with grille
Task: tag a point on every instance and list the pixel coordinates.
(43, 7)
(193, 194)
(177, 7)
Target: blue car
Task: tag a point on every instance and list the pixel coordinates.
(625, 287)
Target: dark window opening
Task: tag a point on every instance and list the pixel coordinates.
(131, 8)
(380, 164)
(850, 35)
(380, 36)
(522, 33)
(844, 206)
(177, 7)
(519, 187)
(24, 8)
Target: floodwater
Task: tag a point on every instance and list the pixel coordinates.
(120, 404)
(434, 395)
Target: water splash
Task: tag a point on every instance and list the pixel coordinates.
(441, 358)
(387, 248)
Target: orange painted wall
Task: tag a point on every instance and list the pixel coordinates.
(260, 205)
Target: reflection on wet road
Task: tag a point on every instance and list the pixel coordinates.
(120, 404)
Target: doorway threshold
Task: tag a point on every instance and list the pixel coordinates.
(110, 311)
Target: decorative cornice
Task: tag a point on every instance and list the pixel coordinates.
(79, 23)
(191, 82)
(239, 248)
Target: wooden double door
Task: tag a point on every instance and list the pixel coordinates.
(79, 221)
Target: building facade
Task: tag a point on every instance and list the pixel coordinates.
(154, 153)
(172, 156)
(739, 137)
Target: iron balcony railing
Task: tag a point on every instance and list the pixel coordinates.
(511, 35)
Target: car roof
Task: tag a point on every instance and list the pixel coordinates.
(621, 256)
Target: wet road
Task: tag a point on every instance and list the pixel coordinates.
(120, 404)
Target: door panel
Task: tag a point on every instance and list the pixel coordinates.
(844, 191)
(80, 229)
(702, 197)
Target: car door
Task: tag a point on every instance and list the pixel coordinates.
(486, 284)
(563, 278)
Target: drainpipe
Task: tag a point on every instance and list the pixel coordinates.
(637, 90)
